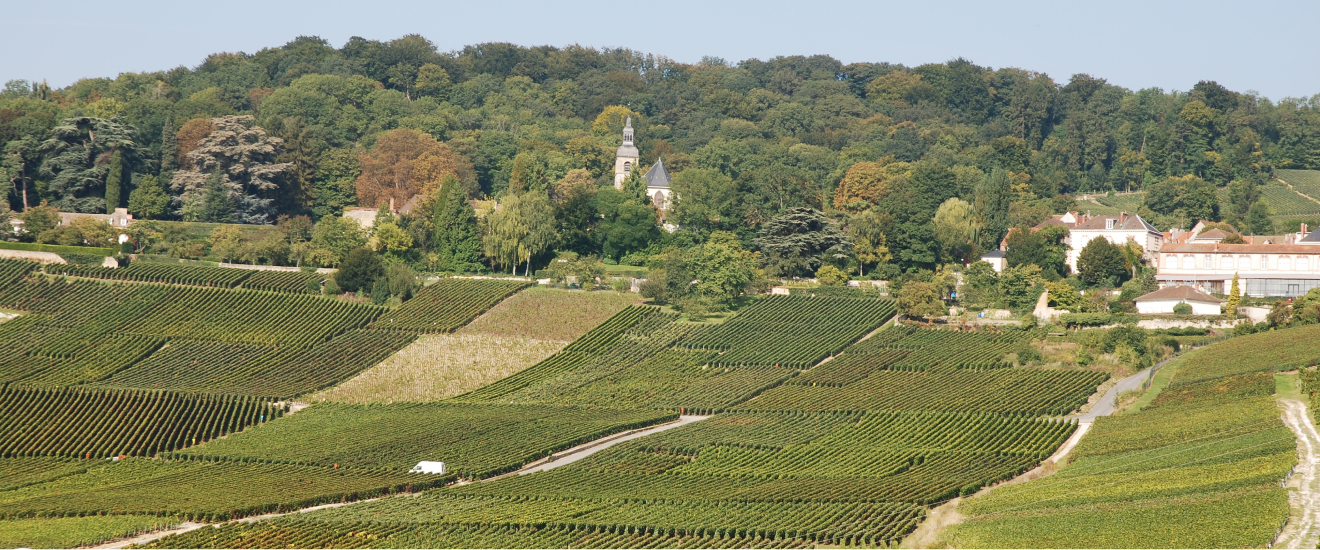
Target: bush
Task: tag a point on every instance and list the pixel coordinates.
(1182, 309)
(829, 275)
(1071, 320)
(332, 288)
(401, 280)
(1028, 354)
(359, 271)
(380, 292)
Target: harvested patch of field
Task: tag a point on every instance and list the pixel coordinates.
(547, 314)
(441, 366)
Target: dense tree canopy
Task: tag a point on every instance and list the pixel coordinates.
(874, 149)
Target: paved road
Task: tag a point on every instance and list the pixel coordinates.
(1109, 400)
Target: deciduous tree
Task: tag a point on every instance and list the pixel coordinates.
(404, 163)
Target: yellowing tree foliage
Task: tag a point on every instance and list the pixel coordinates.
(404, 163)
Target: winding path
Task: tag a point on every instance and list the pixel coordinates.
(1303, 529)
(927, 533)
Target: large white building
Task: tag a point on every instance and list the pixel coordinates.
(1287, 265)
(1118, 229)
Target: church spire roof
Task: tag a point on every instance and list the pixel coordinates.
(628, 150)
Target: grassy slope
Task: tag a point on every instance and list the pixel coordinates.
(546, 314)
(440, 366)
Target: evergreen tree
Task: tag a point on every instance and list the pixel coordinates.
(1258, 218)
(217, 203)
(1234, 298)
(455, 236)
(993, 194)
(300, 154)
(113, 182)
(169, 148)
(635, 185)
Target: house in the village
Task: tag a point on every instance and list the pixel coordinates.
(1165, 299)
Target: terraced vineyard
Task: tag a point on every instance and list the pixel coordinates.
(1122, 203)
(202, 491)
(147, 272)
(294, 282)
(1285, 202)
(475, 441)
(792, 331)
(1305, 181)
(190, 338)
(1200, 467)
(106, 423)
(792, 457)
(449, 304)
(798, 453)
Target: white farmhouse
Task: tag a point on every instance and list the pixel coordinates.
(1164, 300)
(1118, 229)
(996, 259)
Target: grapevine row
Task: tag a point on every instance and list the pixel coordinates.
(449, 304)
(101, 423)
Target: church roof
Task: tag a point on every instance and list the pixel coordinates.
(658, 176)
(628, 150)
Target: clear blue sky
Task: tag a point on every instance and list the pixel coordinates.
(1266, 46)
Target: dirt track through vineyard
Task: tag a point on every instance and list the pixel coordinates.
(553, 461)
(1303, 529)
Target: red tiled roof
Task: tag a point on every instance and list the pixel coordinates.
(1221, 248)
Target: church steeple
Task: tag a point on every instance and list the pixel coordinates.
(625, 160)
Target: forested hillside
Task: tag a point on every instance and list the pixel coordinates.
(308, 128)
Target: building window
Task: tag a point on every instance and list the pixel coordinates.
(1244, 263)
(1284, 263)
(1207, 261)
(1109, 224)
(1187, 263)
(627, 167)
(1303, 263)
(1226, 262)
(1264, 262)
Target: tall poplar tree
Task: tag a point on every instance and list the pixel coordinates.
(114, 179)
(169, 149)
(992, 196)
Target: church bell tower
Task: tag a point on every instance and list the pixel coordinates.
(625, 160)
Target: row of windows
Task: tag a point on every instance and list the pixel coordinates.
(1240, 263)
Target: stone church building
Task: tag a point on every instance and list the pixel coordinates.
(657, 177)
